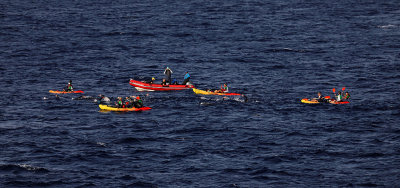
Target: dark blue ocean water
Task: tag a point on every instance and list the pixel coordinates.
(275, 52)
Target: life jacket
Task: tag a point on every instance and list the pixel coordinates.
(339, 97)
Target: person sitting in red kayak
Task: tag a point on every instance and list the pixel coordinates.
(69, 87)
(347, 96)
(225, 89)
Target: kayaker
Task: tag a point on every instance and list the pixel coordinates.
(347, 96)
(164, 82)
(225, 88)
(168, 73)
(69, 87)
(128, 102)
(320, 98)
(138, 103)
(339, 97)
(119, 103)
(186, 78)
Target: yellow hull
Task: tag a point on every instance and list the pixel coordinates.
(307, 101)
(109, 108)
(202, 92)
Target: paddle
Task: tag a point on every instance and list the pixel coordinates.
(334, 90)
(343, 88)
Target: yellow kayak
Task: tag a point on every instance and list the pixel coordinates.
(307, 101)
(202, 92)
(110, 108)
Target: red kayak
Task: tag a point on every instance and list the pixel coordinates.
(142, 86)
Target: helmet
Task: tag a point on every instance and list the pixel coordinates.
(138, 98)
(153, 78)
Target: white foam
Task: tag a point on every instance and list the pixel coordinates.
(387, 26)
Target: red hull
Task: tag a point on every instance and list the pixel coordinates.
(141, 86)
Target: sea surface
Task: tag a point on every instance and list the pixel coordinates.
(274, 52)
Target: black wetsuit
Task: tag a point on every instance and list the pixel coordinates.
(321, 99)
(138, 104)
(168, 75)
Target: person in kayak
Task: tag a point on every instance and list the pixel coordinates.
(347, 96)
(320, 98)
(138, 103)
(69, 87)
(186, 78)
(339, 97)
(225, 88)
(168, 73)
(128, 102)
(119, 103)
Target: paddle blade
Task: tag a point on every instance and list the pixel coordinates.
(327, 97)
(334, 90)
(343, 88)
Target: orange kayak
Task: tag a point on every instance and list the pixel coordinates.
(62, 92)
(308, 101)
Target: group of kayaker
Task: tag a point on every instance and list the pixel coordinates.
(339, 97)
(168, 81)
(129, 102)
(224, 89)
